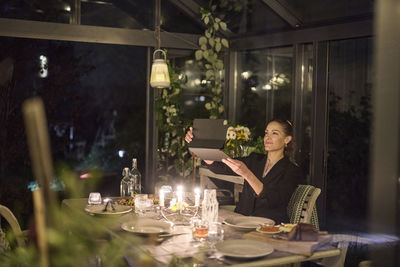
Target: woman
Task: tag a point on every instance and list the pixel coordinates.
(271, 179)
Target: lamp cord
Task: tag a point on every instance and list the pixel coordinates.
(157, 34)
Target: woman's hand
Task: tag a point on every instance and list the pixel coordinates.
(237, 166)
(241, 169)
(189, 135)
(189, 138)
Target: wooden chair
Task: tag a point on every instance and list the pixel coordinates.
(205, 182)
(301, 207)
(12, 221)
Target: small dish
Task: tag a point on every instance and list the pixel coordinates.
(247, 223)
(99, 210)
(268, 229)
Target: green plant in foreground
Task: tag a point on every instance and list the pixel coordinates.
(76, 239)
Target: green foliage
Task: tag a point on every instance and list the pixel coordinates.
(210, 54)
(76, 239)
(258, 145)
(173, 152)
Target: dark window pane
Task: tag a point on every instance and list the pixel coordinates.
(94, 97)
(174, 19)
(304, 140)
(265, 87)
(136, 14)
(319, 12)
(194, 82)
(53, 11)
(350, 80)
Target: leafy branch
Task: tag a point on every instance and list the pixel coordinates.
(210, 55)
(172, 129)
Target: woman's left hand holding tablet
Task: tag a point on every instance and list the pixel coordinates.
(237, 166)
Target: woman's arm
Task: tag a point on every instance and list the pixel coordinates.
(279, 189)
(241, 169)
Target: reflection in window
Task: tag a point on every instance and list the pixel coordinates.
(264, 87)
(52, 11)
(304, 130)
(136, 14)
(94, 98)
(194, 89)
(350, 66)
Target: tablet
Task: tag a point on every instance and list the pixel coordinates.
(209, 139)
(209, 153)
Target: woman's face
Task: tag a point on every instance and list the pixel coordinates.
(275, 137)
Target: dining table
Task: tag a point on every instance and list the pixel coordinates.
(181, 244)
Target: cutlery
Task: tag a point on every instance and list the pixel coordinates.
(169, 235)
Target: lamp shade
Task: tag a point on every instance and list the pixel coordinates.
(159, 71)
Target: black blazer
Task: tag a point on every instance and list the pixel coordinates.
(279, 185)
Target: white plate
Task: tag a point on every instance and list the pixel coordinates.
(243, 248)
(258, 229)
(147, 226)
(247, 222)
(99, 210)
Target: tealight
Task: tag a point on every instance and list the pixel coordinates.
(94, 198)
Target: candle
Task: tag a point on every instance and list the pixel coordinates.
(172, 203)
(179, 194)
(197, 196)
(162, 199)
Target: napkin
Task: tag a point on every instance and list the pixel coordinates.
(303, 232)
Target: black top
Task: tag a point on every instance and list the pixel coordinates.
(279, 185)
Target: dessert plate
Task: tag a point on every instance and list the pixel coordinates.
(243, 248)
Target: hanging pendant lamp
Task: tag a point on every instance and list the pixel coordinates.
(159, 77)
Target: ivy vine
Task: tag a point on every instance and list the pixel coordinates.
(210, 54)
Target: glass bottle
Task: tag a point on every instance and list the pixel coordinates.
(136, 177)
(209, 209)
(126, 186)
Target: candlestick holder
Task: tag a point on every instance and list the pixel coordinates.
(181, 208)
(179, 216)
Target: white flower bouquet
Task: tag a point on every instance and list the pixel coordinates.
(237, 141)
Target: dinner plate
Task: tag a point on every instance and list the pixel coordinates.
(99, 210)
(258, 229)
(247, 222)
(147, 226)
(243, 248)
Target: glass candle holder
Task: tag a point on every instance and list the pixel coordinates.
(94, 198)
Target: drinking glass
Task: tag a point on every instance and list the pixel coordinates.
(140, 203)
(215, 234)
(199, 229)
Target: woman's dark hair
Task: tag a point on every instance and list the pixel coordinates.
(288, 130)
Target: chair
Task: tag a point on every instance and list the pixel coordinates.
(12, 221)
(301, 207)
(205, 182)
